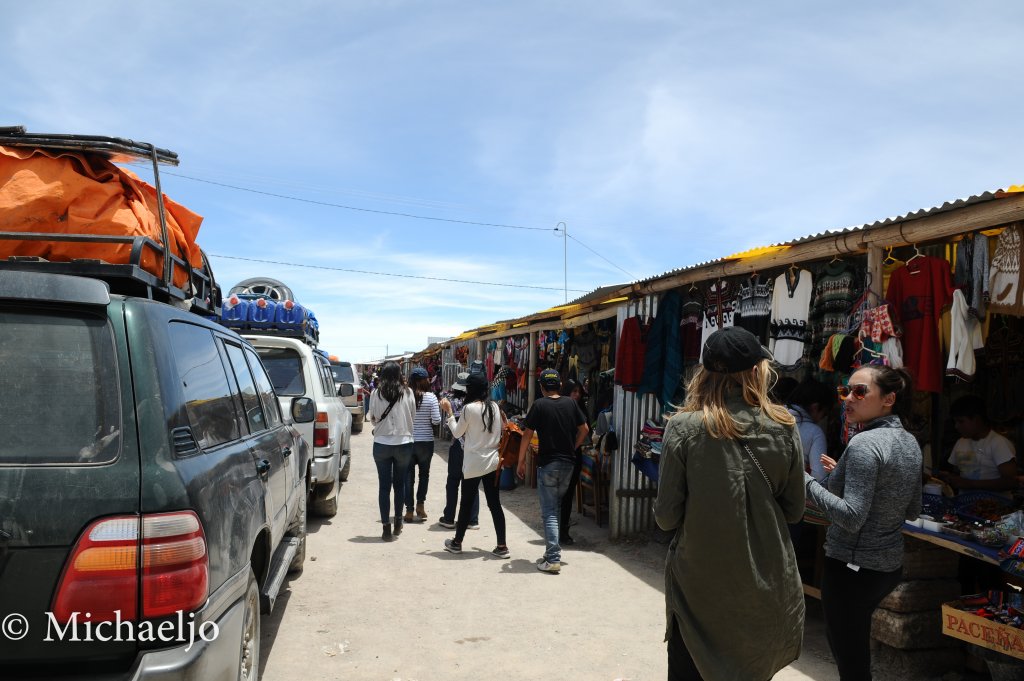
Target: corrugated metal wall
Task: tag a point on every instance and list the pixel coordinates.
(631, 494)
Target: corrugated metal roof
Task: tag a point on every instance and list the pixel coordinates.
(596, 295)
(913, 215)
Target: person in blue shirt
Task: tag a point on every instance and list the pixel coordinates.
(810, 404)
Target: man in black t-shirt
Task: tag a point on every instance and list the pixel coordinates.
(561, 428)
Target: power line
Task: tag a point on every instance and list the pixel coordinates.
(391, 274)
(631, 275)
(357, 208)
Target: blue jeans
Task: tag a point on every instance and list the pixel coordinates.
(552, 482)
(392, 467)
(453, 484)
(421, 455)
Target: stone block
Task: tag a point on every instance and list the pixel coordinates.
(893, 664)
(930, 563)
(921, 595)
(909, 630)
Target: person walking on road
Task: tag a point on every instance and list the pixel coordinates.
(427, 416)
(455, 457)
(392, 408)
(867, 495)
(731, 477)
(561, 428)
(480, 424)
(575, 392)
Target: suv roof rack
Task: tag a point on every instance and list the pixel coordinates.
(130, 278)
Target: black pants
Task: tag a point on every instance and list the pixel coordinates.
(680, 663)
(471, 496)
(848, 598)
(570, 496)
(453, 484)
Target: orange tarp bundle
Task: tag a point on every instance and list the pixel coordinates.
(75, 193)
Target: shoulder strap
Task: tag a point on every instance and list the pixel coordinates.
(757, 463)
(391, 405)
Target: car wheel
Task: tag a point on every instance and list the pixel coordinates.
(357, 426)
(328, 507)
(344, 471)
(249, 654)
(298, 529)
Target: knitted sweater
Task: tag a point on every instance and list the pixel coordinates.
(875, 486)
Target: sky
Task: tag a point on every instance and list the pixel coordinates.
(660, 134)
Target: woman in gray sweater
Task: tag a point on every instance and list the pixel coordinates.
(868, 494)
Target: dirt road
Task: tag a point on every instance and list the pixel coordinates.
(366, 610)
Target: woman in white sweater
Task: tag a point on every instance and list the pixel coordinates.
(480, 425)
(392, 407)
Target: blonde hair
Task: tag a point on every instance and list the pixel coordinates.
(708, 390)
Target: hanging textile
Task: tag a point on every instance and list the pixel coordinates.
(629, 358)
(836, 289)
(971, 274)
(691, 319)
(663, 364)
(754, 306)
(918, 291)
(791, 305)
(965, 339)
(719, 308)
(1005, 276)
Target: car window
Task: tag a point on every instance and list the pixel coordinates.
(209, 399)
(284, 366)
(271, 408)
(343, 373)
(247, 386)
(58, 389)
(326, 380)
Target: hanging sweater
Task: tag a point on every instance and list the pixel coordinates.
(791, 304)
(836, 289)
(719, 310)
(754, 306)
(918, 291)
(965, 338)
(630, 354)
(663, 365)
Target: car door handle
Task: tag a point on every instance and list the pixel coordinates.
(263, 468)
(287, 451)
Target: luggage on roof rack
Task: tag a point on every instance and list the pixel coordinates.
(264, 316)
(66, 208)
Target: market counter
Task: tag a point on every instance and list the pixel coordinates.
(947, 541)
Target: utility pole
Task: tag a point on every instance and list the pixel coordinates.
(565, 259)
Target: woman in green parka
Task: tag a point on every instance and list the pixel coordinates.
(731, 478)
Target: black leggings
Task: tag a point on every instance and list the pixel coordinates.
(680, 662)
(848, 598)
(470, 495)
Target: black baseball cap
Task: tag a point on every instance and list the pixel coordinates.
(549, 378)
(733, 349)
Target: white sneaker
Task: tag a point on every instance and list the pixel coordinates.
(551, 568)
(475, 527)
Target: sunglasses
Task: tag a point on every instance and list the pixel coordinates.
(858, 390)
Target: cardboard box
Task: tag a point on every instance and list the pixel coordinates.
(980, 631)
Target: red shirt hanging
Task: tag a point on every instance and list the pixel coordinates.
(918, 291)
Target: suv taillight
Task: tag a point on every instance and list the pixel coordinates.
(102, 574)
(321, 430)
(359, 396)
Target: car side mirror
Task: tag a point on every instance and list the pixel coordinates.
(347, 390)
(303, 409)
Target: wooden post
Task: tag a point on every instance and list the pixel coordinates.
(875, 276)
(531, 381)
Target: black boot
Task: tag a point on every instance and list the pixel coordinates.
(387, 533)
(398, 525)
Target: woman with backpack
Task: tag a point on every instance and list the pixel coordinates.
(480, 425)
(392, 409)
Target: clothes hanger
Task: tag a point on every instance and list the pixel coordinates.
(917, 254)
(889, 259)
(835, 258)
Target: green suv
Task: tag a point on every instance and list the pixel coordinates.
(151, 490)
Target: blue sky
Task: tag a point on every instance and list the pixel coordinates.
(662, 133)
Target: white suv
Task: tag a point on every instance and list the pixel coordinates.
(296, 370)
(345, 373)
